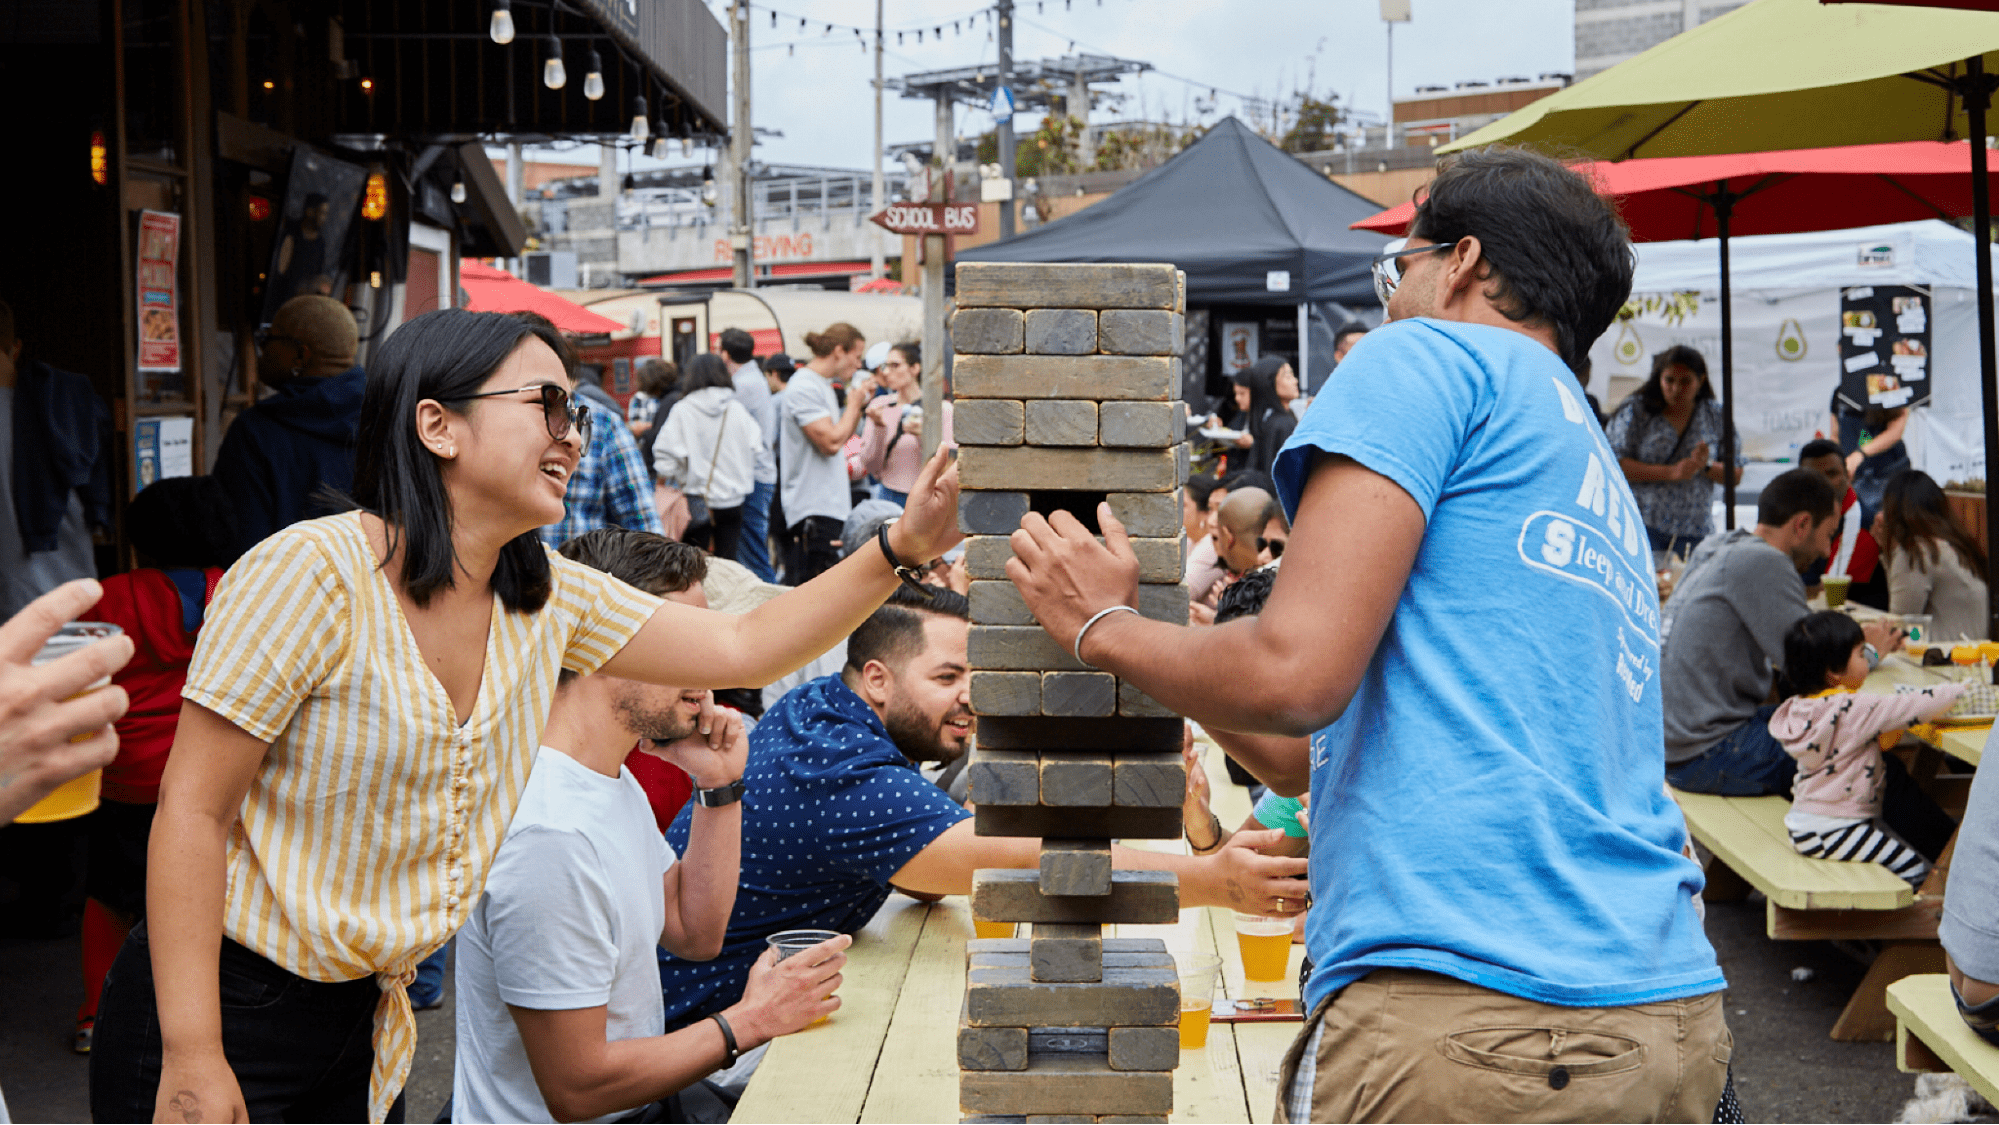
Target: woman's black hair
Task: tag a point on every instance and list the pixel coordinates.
(1816, 646)
(1915, 517)
(1559, 254)
(1261, 379)
(1268, 420)
(184, 522)
(444, 355)
(1679, 355)
(912, 352)
(704, 371)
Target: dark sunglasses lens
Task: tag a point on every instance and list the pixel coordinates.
(555, 410)
(1274, 546)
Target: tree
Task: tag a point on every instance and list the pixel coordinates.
(1314, 123)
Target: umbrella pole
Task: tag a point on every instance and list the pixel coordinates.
(1977, 96)
(1724, 205)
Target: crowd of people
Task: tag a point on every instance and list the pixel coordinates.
(502, 632)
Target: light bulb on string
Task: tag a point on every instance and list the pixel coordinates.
(593, 82)
(708, 184)
(502, 27)
(457, 191)
(640, 130)
(553, 75)
(659, 150)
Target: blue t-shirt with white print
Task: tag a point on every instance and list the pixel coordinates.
(831, 811)
(1491, 805)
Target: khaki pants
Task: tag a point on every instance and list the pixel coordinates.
(1398, 1045)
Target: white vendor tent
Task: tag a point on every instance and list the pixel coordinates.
(1787, 332)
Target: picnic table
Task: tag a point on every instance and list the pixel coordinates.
(890, 1053)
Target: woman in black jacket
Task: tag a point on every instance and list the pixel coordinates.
(1263, 394)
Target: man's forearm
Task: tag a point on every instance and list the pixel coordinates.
(636, 1072)
(709, 874)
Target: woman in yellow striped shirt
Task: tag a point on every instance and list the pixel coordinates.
(361, 714)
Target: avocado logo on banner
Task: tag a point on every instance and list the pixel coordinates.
(1628, 349)
(1791, 342)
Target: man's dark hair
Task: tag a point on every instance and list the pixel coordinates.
(704, 371)
(640, 559)
(1249, 478)
(445, 355)
(184, 522)
(657, 376)
(738, 345)
(1245, 596)
(6, 325)
(1202, 487)
(1350, 328)
(779, 365)
(894, 633)
(1794, 491)
(1817, 448)
(1559, 254)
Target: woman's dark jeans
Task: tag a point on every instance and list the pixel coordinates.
(301, 1049)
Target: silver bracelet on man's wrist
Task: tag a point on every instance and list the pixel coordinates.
(1084, 631)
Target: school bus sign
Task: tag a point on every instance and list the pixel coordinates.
(928, 218)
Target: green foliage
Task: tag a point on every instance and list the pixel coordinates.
(1312, 123)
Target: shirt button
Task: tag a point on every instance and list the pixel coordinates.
(452, 901)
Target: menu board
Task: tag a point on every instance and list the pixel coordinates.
(1884, 346)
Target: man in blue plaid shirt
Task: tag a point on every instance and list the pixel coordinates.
(611, 488)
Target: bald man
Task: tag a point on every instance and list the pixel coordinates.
(1249, 530)
(280, 452)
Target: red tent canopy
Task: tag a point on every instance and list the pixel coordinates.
(1785, 192)
(495, 290)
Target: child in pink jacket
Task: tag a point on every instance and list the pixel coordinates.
(1830, 726)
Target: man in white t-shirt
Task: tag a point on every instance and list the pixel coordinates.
(560, 1013)
(813, 428)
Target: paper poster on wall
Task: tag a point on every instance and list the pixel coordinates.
(1239, 345)
(158, 254)
(161, 447)
(621, 375)
(1884, 346)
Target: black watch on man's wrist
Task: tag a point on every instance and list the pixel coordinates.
(721, 795)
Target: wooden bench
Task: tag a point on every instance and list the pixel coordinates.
(1929, 1035)
(1817, 899)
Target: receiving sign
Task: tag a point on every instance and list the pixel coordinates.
(1884, 346)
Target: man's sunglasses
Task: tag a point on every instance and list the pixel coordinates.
(557, 410)
(1388, 265)
(1274, 546)
(264, 335)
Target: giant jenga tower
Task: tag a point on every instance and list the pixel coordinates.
(1066, 381)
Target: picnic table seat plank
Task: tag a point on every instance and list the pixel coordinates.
(1929, 1032)
(918, 1067)
(829, 1069)
(1748, 834)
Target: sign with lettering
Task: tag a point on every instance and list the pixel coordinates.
(928, 218)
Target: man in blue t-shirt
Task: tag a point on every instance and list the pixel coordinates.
(835, 814)
(1466, 627)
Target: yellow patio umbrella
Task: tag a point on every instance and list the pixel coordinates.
(1787, 74)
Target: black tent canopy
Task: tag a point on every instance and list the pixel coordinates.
(1248, 222)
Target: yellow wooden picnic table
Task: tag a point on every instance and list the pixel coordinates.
(890, 1053)
(1964, 741)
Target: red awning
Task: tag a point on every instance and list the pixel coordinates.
(1795, 190)
(496, 290)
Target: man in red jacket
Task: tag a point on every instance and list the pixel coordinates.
(1854, 552)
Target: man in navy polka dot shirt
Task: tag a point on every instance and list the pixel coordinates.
(836, 815)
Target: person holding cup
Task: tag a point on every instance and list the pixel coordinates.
(53, 726)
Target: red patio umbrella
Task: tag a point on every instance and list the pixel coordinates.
(1781, 192)
(496, 290)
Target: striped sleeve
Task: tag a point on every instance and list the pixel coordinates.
(604, 613)
(277, 629)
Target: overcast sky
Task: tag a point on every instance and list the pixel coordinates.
(814, 87)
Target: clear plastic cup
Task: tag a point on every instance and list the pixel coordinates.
(78, 795)
(1266, 945)
(1198, 972)
(789, 942)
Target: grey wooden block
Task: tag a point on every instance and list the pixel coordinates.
(986, 555)
(1040, 285)
(1144, 1048)
(1133, 702)
(1005, 777)
(1078, 694)
(1139, 897)
(988, 421)
(999, 603)
(1098, 377)
(1163, 602)
(1075, 778)
(1075, 867)
(1019, 648)
(1006, 693)
(1139, 332)
(1141, 425)
(1061, 332)
(1077, 955)
(993, 1048)
(1138, 989)
(1161, 566)
(1180, 459)
(1028, 468)
(992, 513)
(1135, 1118)
(996, 1119)
(1109, 824)
(1162, 561)
(987, 332)
(1180, 292)
(1149, 779)
(1150, 514)
(1060, 1119)
(1050, 733)
(1063, 421)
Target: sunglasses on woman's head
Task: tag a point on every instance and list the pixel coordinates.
(557, 410)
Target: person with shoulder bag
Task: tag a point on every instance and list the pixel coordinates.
(709, 449)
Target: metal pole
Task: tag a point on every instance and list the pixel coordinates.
(1079, 108)
(742, 227)
(1977, 98)
(933, 284)
(1006, 153)
(1724, 205)
(1304, 343)
(876, 201)
(1388, 129)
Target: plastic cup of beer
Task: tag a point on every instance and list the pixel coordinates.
(78, 795)
(985, 929)
(1835, 589)
(789, 942)
(1266, 945)
(1197, 996)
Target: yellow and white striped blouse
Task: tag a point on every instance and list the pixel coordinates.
(367, 834)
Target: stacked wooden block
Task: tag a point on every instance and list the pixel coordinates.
(1066, 382)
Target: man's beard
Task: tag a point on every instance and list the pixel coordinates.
(660, 724)
(920, 737)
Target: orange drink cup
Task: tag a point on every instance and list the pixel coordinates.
(1266, 945)
(1197, 997)
(986, 929)
(77, 796)
(1964, 654)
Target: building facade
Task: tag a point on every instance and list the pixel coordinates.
(1610, 31)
